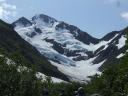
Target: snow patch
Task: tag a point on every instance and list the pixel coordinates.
(43, 77)
(122, 41)
(121, 55)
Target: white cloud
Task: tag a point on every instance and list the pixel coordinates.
(2, 0)
(124, 15)
(7, 11)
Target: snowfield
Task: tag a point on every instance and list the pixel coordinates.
(80, 72)
(122, 41)
(54, 80)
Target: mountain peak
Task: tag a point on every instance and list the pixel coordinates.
(22, 22)
(23, 18)
(43, 20)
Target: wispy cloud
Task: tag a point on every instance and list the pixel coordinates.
(124, 15)
(117, 2)
(7, 11)
(112, 1)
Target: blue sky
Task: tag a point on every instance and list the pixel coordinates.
(97, 17)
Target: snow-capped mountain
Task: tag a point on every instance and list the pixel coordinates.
(75, 53)
(12, 44)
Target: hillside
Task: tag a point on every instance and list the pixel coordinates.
(12, 43)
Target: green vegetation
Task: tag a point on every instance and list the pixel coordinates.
(17, 80)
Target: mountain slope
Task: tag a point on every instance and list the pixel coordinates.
(73, 51)
(112, 50)
(11, 42)
(113, 81)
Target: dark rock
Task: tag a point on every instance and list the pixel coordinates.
(38, 30)
(109, 36)
(80, 92)
(31, 35)
(22, 21)
(45, 18)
